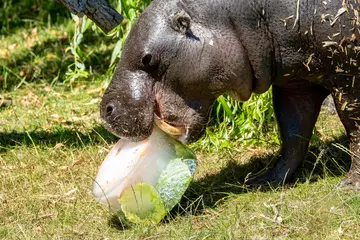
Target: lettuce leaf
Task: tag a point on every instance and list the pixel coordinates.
(173, 182)
(142, 204)
(182, 151)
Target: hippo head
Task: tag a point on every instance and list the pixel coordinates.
(173, 67)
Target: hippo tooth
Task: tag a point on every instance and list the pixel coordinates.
(171, 130)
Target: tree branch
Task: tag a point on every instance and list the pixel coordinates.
(100, 11)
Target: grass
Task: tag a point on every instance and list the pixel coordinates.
(52, 143)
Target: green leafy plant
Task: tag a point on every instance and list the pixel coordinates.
(251, 122)
(77, 69)
(4, 16)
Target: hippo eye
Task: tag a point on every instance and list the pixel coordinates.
(146, 59)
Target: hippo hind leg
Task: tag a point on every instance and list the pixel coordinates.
(346, 94)
(297, 106)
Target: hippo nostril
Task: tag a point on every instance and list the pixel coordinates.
(146, 59)
(110, 108)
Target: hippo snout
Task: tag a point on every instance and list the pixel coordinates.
(127, 107)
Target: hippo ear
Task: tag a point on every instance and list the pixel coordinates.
(180, 22)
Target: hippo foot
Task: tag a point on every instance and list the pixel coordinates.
(275, 176)
(351, 181)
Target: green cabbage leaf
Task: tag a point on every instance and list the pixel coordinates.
(142, 204)
(173, 182)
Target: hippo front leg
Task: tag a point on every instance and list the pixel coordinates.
(297, 107)
(347, 101)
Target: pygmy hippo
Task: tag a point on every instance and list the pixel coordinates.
(182, 54)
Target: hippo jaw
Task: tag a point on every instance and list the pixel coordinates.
(134, 102)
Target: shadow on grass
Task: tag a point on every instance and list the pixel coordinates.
(52, 63)
(68, 137)
(15, 14)
(324, 159)
(116, 222)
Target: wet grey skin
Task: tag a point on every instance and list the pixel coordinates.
(182, 54)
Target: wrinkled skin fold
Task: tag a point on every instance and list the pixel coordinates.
(182, 54)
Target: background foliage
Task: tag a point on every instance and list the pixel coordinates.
(70, 50)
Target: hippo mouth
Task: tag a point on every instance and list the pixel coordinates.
(178, 131)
